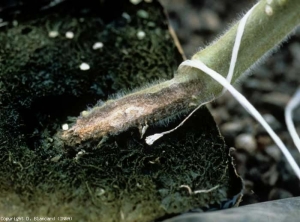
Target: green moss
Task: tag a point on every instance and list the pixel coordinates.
(42, 87)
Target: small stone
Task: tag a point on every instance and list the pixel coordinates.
(141, 34)
(276, 99)
(69, 35)
(272, 121)
(65, 126)
(277, 193)
(98, 45)
(260, 85)
(271, 176)
(231, 128)
(246, 142)
(53, 34)
(274, 152)
(84, 66)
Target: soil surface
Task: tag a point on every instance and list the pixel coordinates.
(270, 86)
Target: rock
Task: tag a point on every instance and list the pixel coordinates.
(276, 99)
(271, 176)
(231, 128)
(246, 142)
(278, 193)
(274, 152)
(260, 85)
(272, 121)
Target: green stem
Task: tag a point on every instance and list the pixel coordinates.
(269, 23)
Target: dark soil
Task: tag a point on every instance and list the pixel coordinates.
(270, 86)
(42, 87)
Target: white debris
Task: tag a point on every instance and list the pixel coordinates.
(135, 2)
(69, 35)
(141, 34)
(98, 45)
(84, 66)
(53, 34)
(65, 126)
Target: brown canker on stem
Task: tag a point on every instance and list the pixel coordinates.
(153, 104)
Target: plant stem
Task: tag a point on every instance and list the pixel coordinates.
(267, 26)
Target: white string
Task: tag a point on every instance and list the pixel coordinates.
(151, 139)
(237, 43)
(293, 103)
(247, 105)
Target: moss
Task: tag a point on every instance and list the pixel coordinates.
(42, 87)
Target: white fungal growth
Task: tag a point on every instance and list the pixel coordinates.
(53, 34)
(268, 10)
(84, 66)
(69, 35)
(65, 126)
(269, 2)
(141, 34)
(98, 45)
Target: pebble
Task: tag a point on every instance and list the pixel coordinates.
(272, 121)
(84, 66)
(260, 85)
(231, 128)
(274, 152)
(246, 142)
(278, 193)
(98, 45)
(271, 176)
(276, 99)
